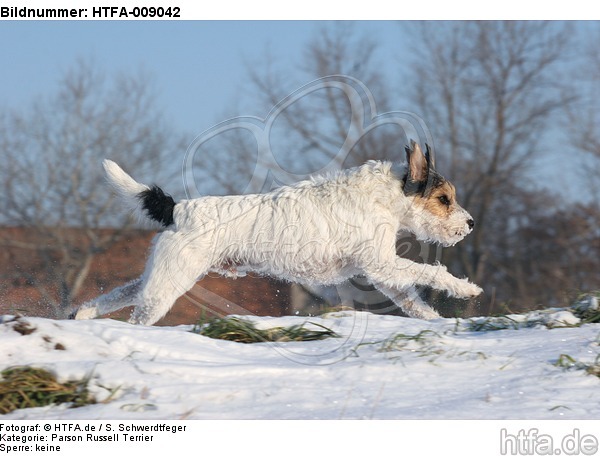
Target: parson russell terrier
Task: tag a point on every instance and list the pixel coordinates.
(320, 231)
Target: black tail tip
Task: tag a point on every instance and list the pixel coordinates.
(158, 205)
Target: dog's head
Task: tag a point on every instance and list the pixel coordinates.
(435, 214)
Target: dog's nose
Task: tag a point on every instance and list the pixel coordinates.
(471, 223)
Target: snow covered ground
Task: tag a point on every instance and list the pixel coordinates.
(382, 367)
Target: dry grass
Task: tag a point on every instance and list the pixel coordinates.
(585, 309)
(567, 362)
(23, 387)
(246, 332)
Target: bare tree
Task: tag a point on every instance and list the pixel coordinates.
(549, 255)
(584, 116)
(489, 91)
(308, 126)
(52, 179)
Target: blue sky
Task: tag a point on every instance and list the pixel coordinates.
(198, 67)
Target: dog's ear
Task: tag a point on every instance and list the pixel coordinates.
(418, 163)
(429, 157)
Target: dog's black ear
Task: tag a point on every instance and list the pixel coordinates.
(418, 163)
(429, 157)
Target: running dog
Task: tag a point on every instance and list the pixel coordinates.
(319, 231)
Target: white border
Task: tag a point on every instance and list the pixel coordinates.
(343, 10)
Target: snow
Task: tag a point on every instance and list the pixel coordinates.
(381, 367)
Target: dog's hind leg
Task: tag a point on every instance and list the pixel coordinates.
(158, 296)
(124, 296)
(172, 269)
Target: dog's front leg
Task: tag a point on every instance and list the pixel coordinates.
(400, 274)
(409, 301)
(459, 288)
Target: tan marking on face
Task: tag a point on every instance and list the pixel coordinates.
(434, 204)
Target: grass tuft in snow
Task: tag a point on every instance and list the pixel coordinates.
(586, 307)
(584, 310)
(24, 387)
(549, 318)
(493, 323)
(246, 332)
(567, 362)
(402, 341)
(425, 343)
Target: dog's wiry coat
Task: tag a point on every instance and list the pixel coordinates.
(321, 231)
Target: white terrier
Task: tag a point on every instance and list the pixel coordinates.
(321, 231)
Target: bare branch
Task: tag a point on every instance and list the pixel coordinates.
(52, 179)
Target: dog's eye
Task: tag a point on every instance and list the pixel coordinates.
(444, 200)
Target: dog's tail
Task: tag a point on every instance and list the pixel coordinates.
(146, 202)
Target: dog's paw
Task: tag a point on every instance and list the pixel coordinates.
(475, 290)
(85, 314)
(465, 289)
(430, 315)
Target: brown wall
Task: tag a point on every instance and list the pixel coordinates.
(212, 295)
